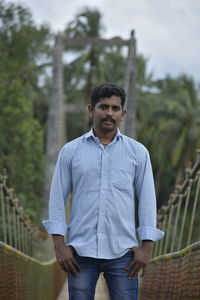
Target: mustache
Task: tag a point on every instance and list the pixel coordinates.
(108, 119)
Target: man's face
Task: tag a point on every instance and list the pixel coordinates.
(107, 113)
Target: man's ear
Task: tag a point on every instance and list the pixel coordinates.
(123, 114)
(90, 109)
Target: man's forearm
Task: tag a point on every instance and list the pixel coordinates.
(147, 244)
(58, 240)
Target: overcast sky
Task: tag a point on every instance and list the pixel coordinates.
(167, 31)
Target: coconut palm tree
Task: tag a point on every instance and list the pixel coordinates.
(171, 127)
(93, 63)
(80, 73)
(179, 128)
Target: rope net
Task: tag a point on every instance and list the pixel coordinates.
(23, 277)
(173, 276)
(174, 273)
(23, 248)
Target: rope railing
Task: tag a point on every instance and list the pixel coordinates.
(23, 275)
(179, 219)
(17, 229)
(174, 270)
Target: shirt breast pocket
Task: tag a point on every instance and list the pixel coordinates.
(122, 175)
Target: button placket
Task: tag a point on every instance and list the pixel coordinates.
(102, 202)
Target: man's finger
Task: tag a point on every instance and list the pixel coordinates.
(128, 267)
(72, 268)
(65, 268)
(143, 270)
(136, 268)
(76, 265)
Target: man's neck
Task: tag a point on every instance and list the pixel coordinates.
(106, 136)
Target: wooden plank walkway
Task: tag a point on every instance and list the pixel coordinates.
(100, 294)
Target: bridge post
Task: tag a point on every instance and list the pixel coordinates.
(56, 119)
(128, 127)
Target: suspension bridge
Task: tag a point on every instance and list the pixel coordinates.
(28, 268)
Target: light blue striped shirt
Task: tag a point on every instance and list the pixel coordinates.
(103, 181)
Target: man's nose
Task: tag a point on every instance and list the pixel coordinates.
(109, 111)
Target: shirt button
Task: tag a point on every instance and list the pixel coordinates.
(101, 214)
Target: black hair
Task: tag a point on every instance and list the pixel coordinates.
(107, 90)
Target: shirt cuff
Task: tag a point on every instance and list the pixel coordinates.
(150, 233)
(55, 227)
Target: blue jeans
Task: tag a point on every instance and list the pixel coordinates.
(120, 287)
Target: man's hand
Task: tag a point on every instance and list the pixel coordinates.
(141, 257)
(65, 255)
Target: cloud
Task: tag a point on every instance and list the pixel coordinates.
(167, 31)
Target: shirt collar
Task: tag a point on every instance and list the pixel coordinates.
(91, 134)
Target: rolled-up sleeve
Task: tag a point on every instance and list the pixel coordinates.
(145, 190)
(60, 188)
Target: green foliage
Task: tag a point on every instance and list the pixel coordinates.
(85, 24)
(24, 53)
(169, 122)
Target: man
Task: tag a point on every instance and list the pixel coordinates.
(102, 169)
